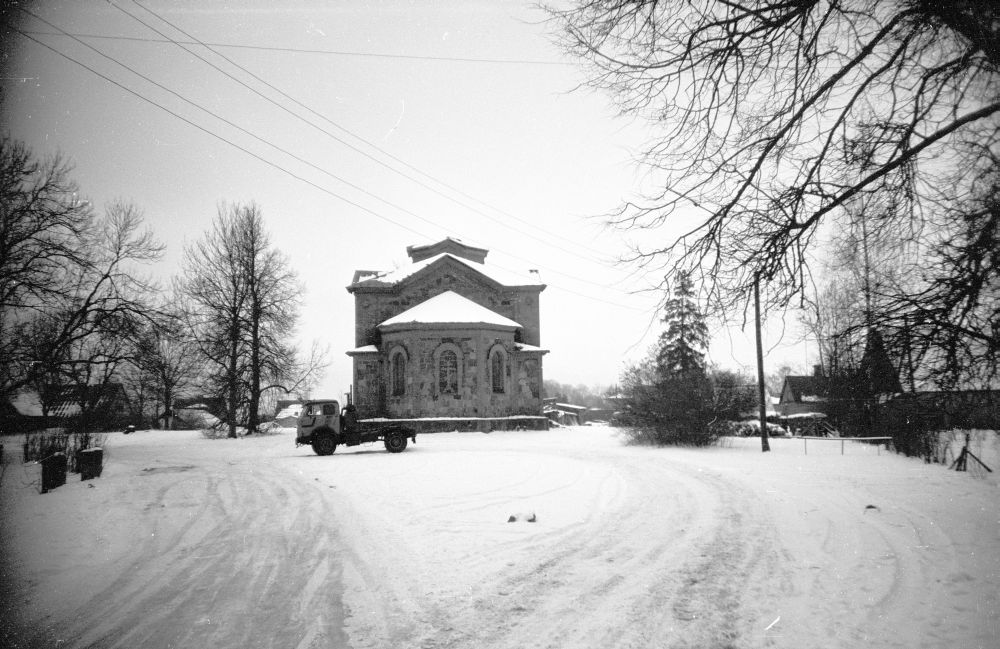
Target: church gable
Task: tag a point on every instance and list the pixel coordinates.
(379, 299)
(450, 274)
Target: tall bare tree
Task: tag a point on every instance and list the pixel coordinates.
(777, 114)
(215, 288)
(71, 288)
(43, 226)
(166, 364)
(244, 307)
(272, 311)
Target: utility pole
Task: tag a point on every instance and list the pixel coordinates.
(764, 446)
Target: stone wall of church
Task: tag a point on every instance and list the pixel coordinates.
(369, 389)
(422, 395)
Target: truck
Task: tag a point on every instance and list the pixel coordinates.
(323, 425)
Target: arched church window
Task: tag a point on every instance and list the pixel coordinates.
(448, 372)
(398, 374)
(497, 371)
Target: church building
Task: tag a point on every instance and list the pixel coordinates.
(447, 336)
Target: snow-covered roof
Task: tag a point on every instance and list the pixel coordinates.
(498, 275)
(449, 244)
(367, 349)
(449, 308)
(524, 347)
(27, 403)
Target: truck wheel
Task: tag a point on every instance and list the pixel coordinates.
(323, 444)
(395, 442)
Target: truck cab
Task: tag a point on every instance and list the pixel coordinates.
(317, 415)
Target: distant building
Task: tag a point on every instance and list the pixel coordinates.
(287, 407)
(92, 407)
(801, 394)
(876, 380)
(447, 336)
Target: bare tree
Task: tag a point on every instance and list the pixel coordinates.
(72, 325)
(214, 285)
(110, 302)
(777, 115)
(165, 365)
(271, 311)
(43, 226)
(244, 310)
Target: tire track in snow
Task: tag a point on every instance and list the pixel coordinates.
(616, 578)
(232, 573)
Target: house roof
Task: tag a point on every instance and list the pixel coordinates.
(368, 278)
(449, 308)
(807, 388)
(27, 404)
(64, 401)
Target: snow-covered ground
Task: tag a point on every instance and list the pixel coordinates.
(189, 542)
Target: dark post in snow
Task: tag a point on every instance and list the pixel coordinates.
(764, 446)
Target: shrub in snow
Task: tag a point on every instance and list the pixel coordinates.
(39, 445)
(221, 431)
(674, 410)
(194, 418)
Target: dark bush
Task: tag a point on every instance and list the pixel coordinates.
(675, 411)
(39, 445)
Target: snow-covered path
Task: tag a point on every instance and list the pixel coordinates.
(187, 542)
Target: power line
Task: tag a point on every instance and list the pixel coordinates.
(275, 165)
(221, 138)
(240, 128)
(299, 50)
(352, 185)
(283, 150)
(193, 39)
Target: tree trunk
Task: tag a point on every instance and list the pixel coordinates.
(232, 380)
(253, 416)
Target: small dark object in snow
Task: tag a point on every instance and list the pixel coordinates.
(129, 429)
(522, 516)
(867, 507)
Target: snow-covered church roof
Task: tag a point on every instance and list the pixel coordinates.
(449, 308)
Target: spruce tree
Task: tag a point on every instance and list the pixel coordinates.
(681, 349)
(669, 395)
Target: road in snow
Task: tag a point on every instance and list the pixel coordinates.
(188, 542)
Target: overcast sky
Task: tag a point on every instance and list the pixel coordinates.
(381, 125)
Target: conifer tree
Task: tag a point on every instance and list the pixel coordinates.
(682, 346)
